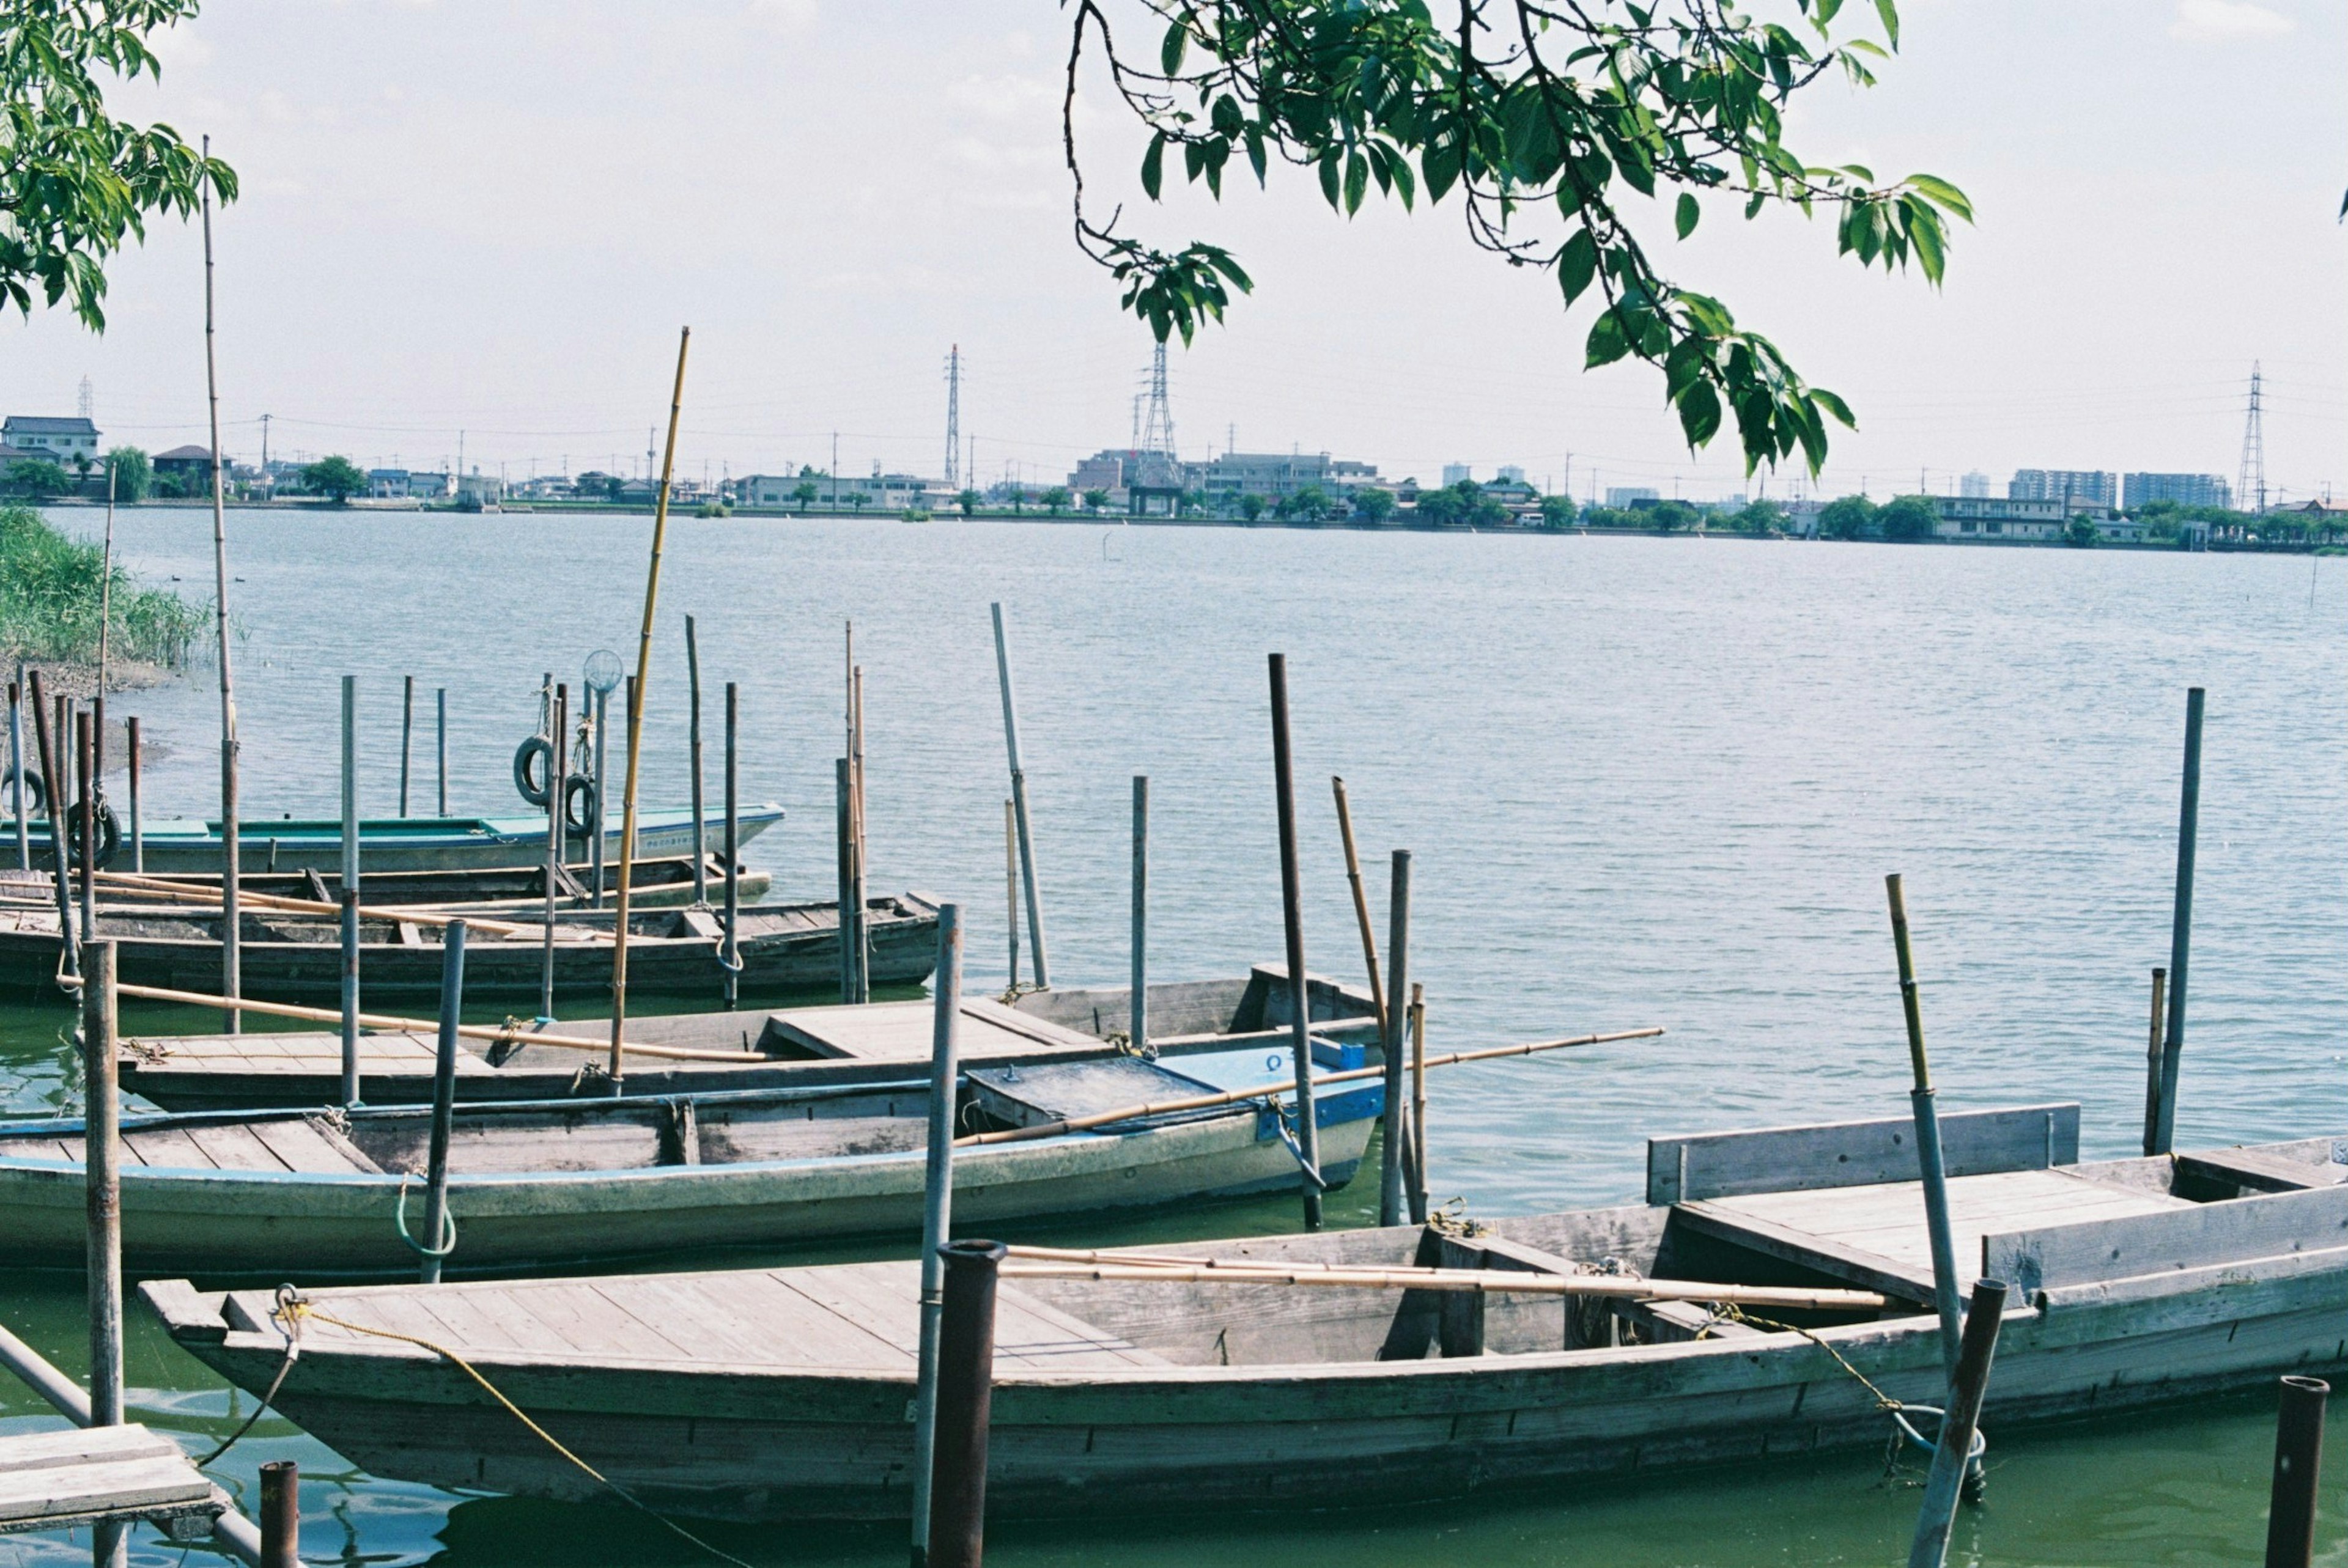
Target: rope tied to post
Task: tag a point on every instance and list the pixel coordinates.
(1897, 1410)
(448, 1243)
(286, 1297)
(293, 1307)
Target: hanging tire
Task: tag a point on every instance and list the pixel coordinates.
(37, 793)
(533, 761)
(582, 813)
(109, 836)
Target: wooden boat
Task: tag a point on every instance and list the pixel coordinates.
(489, 889)
(538, 1184)
(781, 1393)
(407, 843)
(832, 1045)
(298, 958)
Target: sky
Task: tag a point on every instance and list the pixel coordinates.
(484, 223)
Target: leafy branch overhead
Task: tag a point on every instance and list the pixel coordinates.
(76, 183)
(1545, 117)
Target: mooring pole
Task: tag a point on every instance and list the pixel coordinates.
(86, 820)
(1011, 885)
(16, 769)
(2181, 930)
(1418, 1193)
(2152, 1066)
(440, 700)
(602, 700)
(102, 1181)
(1291, 909)
(281, 1514)
(965, 1400)
(1041, 964)
(1378, 988)
(1952, 1456)
(60, 853)
(2299, 1457)
(1138, 1006)
(232, 829)
(406, 733)
(844, 815)
(131, 760)
(1393, 1196)
(1928, 1139)
(350, 890)
(732, 951)
(937, 1208)
(557, 853)
(692, 745)
(436, 1241)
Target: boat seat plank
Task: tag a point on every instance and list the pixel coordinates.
(2181, 1236)
(1028, 1334)
(901, 1031)
(307, 1145)
(1856, 1154)
(232, 1147)
(2259, 1170)
(710, 1319)
(169, 1147)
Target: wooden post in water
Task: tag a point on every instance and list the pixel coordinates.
(2152, 1066)
(843, 790)
(440, 701)
(2181, 930)
(60, 854)
(1927, 1137)
(637, 720)
(853, 923)
(16, 769)
(965, 1400)
(937, 1208)
(1378, 990)
(350, 890)
(1418, 1195)
(281, 1514)
(102, 1185)
(693, 747)
(1041, 964)
(1291, 909)
(1952, 1453)
(85, 825)
(2298, 1458)
(1392, 1194)
(406, 733)
(1138, 1006)
(601, 712)
(444, 1102)
(138, 828)
(558, 837)
(1011, 885)
(731, 953)
(232, 846)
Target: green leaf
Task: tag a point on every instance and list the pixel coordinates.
(1169, 53)
(1924, 233)
(1834, 405)
(1685, 219)
(1699, 413)
(1576, 264)
(1889, 11)
(1608, 342)
(1153, 166)
(1357, 180)
(1942, 191)
(1328, 175)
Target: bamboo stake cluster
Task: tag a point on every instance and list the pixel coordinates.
(179, 893)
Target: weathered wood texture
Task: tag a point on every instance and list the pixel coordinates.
(52, 1481)
(1856, 1154)
(2185, 1237)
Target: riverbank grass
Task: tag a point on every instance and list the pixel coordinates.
(49, 597)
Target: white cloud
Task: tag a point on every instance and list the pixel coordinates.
(2226, 22)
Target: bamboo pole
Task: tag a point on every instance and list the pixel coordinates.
(558, 778)
(1481, 1281)
(1361, 903)
(1928, 1140)
(130, 761)
(597, 701)
(58, 852)
(407, 731)
(843, 825)
(1272, 1091)
(2152, 1066)
(637, 716)
(1418, 1195)
(1010, 885)
(349, 891)
(731, 953)
(1036, 950)
(106, 584)
(2180, 933)
(1392, 1197)
(1292, 911)
(415, 914)
(1138, 993)
(440, 743)
(497, 1034)
(102, 1189)
(84, 827)
(1952, 1457)
(852, 931)
(16, 768)
(231, 848)
(693, 747)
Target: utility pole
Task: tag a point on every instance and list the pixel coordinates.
(460, 453)
(953, 417)
(835, 468)
(267, 483)
(649, 436)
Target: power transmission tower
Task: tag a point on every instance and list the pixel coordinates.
(87, 400)
(1157, 426)
(953, 418)
(2251, 484)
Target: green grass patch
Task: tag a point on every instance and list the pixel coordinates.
(49, 597)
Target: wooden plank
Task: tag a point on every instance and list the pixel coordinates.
(1856, 1154)
(2195, 1236)
(232, 1147)
(300, 1146)
(115, 1486)
(1868, 1270)
(2259, 1171)
(82, 1445)
(168, 1146)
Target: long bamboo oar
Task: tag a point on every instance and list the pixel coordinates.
(179, 893)
(502, 1034)
(1232, 1097)
(1481, 1280)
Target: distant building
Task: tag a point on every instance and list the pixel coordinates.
(191, 466)
(59, 440)
(2077, 487)
(877, 492)
(1275, 475)
(480, 490)
(431, 487)
(1979, 519)
(1621, 498)
(1512, 474)
(1456, 472)
(1974, 486)
(2185, 489)
(388, 483)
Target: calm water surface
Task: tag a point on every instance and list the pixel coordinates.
(1645, 782)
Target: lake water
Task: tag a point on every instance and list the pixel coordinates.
(1645, 782)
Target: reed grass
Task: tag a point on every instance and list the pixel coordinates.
(49, 598)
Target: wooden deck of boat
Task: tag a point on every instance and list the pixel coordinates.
(857, 1316)
(1875, 1235)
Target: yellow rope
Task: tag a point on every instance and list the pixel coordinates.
(299, 1309)
(1882, 1400)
